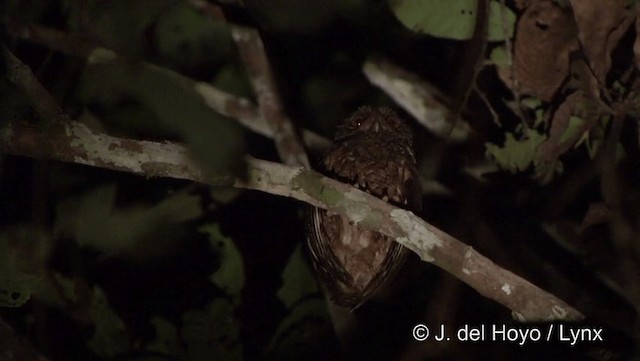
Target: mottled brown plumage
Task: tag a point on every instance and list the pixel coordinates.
(372, 151)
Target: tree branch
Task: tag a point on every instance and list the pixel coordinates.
(75, 143)
(256, 62)
(255, 59)
(22, 76)
(419, 98)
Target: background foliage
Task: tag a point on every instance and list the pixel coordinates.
(101, 265)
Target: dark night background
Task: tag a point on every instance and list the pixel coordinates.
(123, 267)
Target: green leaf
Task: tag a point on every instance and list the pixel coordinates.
(516, 155)
(574, 126)
(129, 120)
(308, 321)
(501, 22)
(212, 334)
(593, 146)
(452, 19)
(189, 38)
(167, 341)
(307, 324)
(230, 276)
(122, 25)
(111, 336)
(23, 256)
(214, 141)
(298, 280)
(532, 103)
(224, 195)
(233, 79)
(498, 57)
(93, 220)
(16, 288)
(60, 291)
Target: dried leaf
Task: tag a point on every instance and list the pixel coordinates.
(545, 38)
(598, 213)
(601, 25)
(571, 121)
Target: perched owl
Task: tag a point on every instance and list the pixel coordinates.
(372, 151)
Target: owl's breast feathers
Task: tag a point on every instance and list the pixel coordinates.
(351, 261)
(383, 168)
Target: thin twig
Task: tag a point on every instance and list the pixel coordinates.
(476, 51)
(515, 85)
(483, 96)
(22, 76)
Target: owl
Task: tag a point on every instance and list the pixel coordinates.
(372, 150)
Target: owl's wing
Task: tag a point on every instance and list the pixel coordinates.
(393, 262)
(333, 274)
(327, 265)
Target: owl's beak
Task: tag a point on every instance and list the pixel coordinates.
(376, 126)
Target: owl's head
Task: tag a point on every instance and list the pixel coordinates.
(371, 121)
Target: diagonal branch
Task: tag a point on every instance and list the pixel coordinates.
(256, 62)
(429, 106)
(22, 76)
(255, 59)
(75, 143)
